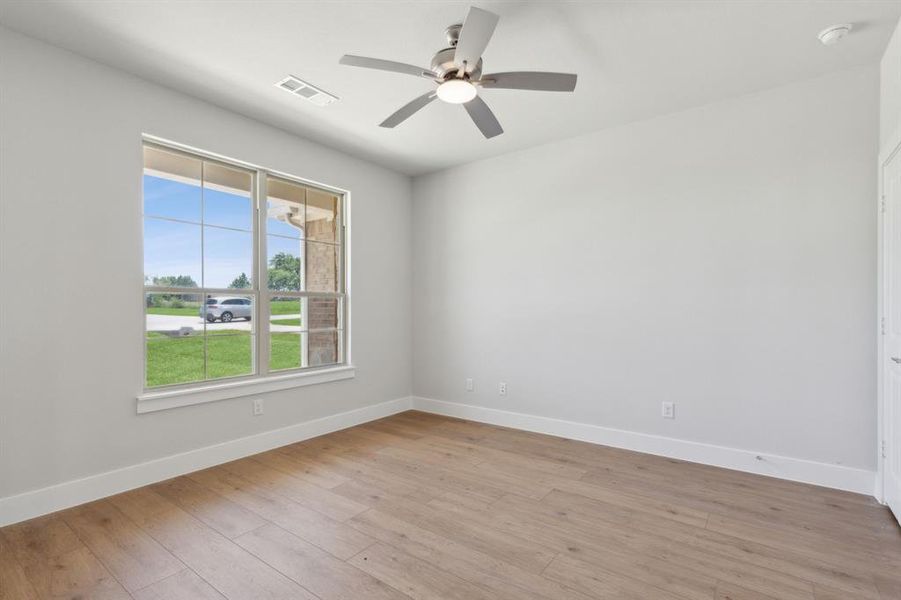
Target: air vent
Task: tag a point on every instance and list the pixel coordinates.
(307, 91)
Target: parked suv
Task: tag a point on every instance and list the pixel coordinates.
(226, 308)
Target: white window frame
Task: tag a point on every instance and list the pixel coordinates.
(262, 380)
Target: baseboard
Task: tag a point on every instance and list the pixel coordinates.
(793, 469)
(72, 493)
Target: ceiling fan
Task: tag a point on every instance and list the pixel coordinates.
(458, 72)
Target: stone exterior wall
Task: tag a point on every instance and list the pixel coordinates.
(322, 272)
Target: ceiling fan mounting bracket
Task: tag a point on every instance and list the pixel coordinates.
(453, 34)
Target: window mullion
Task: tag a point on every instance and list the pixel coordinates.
(203, 295)
(261, 281)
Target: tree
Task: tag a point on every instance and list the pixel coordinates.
(182, 281)
(172, 281)
(240, 282)
(284, 272)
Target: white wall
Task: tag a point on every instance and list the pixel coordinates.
(71, 267)
(722, 258)
(890, 92)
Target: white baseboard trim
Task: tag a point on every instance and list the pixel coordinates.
(21, 507)
(793, 469)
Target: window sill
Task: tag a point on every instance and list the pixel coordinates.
(166, 399)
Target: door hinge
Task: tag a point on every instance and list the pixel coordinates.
(882, 325)
(884, 454)
(883, 203)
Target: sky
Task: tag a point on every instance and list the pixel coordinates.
(173, 247)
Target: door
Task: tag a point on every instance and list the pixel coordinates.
(891, 398)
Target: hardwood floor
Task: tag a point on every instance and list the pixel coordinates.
(426, 507)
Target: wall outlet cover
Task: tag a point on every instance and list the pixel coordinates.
(669, 410)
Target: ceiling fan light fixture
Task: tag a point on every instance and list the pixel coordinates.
(456, 91)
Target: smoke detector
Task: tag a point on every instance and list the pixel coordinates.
(307, 91)
(833, 34)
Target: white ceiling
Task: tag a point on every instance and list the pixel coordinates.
(634, 59)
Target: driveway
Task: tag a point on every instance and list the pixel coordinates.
(171, 323)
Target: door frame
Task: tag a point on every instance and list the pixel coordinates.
(888, 152)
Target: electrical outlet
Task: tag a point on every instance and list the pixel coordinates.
(257, 407)
(669, 410)
(502, 388)
(469, 385)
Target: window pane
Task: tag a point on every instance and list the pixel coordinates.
(227, 197)
(324, 313)
(171, 185)
(174, 346)
(229, 355)
(323, 348)
(322, 268)
(172, 360)
(285, 350)
(226, 315)
(171, 253)
(227, 258)
(284, 208)
(285, 339)
(173, 315)
(284, 257)
(322, 216)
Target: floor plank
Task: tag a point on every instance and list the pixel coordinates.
(316, 570)
(316, 528)
(134, 558)
(14, 584)
(731, 591)
(223, 515)
(74, 574)
(467, 526)
(601, 582)
(233, 571)
(303, 492)
(417, 578)
(461, 560)
(57, 564)
(184, 585)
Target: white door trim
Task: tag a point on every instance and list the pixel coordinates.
(885, 155)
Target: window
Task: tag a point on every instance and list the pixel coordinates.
(243, 272)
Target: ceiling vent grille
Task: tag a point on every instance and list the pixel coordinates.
(307, 91)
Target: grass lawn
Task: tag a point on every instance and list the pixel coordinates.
(184, 311)
(229, 354)
(294, 322)
(284, 307)
(284, 351)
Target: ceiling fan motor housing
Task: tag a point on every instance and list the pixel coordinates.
(445, 68)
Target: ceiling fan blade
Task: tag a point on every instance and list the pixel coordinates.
(531, 80)
(474, 37)
(483, 117)
(385, 65)
(408, 110)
